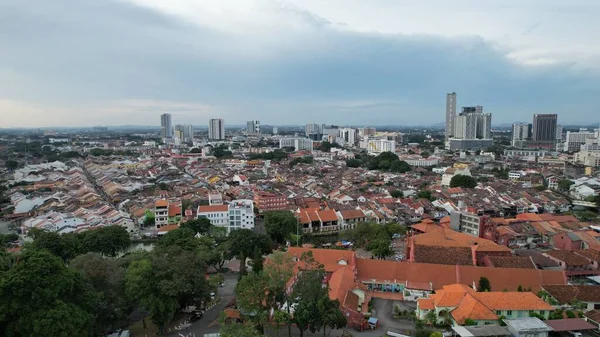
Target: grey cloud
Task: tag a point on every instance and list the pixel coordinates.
(65, 52)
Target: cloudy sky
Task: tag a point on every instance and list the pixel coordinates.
(375, 62)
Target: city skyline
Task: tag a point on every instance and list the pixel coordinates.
(288, 63)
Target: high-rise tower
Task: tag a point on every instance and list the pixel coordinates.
(450, 114)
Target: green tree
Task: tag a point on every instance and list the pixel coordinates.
(331, 317)
(424, 194)
(436, 334)
(200, 226)
(42, 297)
(149, 219)
(565, 184)
(65, 246)
(11, 164)
(279, 225)
(484, 284)
(244, 243)
(308, 290)
(252, 298)
(461, 180)
(353, 163)
(470, 322)
(183, 238)
(109, 240)
(431, 317)
(380, 247)
(168, 279)
(238, 330)
(397, 194)
(425, 154)
(107, 277)
(280, 318)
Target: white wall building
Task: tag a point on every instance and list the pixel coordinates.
(253, 128)
(574, 140)
(166, 128)
(216, 129)
(239, 214)
(217, 214)
(298, 143)
(458, 169)
(450, 114)
(375, 146)
(521, 132)
(419, 161)
(347, 136)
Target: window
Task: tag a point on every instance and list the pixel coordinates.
(508, 313)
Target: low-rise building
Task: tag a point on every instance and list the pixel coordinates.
(459, 303)
(268, 201)
(239, 214)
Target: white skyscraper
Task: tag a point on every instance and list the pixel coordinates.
(166, 128)
(216, 129)
(185, 133)
(450, 114)
(521, 132)
(348, 135)
(253, 128)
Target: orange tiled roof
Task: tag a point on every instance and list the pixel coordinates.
(161, 203)
(174, 210)
(213, 208)
(352, 214)
(168, 228)
(330, 258)
(425, 304)
(437, 275)
(327, 215)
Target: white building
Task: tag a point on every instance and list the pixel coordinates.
(521, 132)
(367, 132)
(253, 128)
(375, 146)
(215, 199)
(275, 131)
(457, 169)
(217, 214)
(450, 114)
(239, 214)
(298, 143)
(574, 140)
(347, 136)
(166, 128)
(419, 161)
(216, 129)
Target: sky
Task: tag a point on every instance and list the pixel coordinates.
(344, 62)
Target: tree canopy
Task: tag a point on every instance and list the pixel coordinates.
(279, 225)
(484, 284)
(461, 180)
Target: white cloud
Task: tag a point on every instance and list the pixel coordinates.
(560, 31)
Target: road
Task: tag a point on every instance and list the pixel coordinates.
(208, 323)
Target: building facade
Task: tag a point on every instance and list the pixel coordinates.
(376, 146)
(253, 128)
(574, 140)
(267, 201)
(166, 128)
(520, 132)
(348, 136)
(216, 129)
(544, 127)
(450, 114)
(298, 143)
(314, 131)
(239, 214)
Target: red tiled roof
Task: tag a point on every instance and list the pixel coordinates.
(352, 214)
(327, 215)
(174, 210)
(439, 275)
(213, 208)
